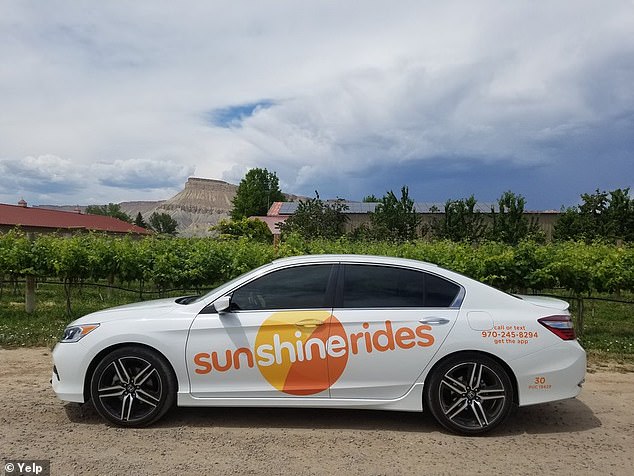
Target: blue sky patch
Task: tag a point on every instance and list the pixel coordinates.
(232, 116)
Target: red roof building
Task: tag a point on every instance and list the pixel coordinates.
(271, 222)
(41, 220)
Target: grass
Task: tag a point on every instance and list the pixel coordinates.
(608, 327)
(45, 325)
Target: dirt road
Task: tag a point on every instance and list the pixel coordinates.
(589, 435)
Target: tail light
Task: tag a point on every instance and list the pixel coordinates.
(559, 325)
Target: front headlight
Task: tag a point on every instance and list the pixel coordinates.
(74, 333)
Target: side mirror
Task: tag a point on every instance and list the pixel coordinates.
(222, 304)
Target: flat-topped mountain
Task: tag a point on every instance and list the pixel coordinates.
(203, 195)
(200, 205)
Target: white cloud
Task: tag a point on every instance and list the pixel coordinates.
(144, 174)
(120, 93)
(51, 174)
(49, 179)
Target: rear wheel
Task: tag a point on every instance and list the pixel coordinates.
(132, 386)
(469, 393)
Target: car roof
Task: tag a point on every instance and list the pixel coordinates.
(352, 258)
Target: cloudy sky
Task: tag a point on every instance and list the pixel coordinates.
(113, 101)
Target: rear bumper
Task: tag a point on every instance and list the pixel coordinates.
(555, 373)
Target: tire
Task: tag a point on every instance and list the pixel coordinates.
(469, 394)
(133, 387)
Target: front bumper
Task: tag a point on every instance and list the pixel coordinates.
(68, 373)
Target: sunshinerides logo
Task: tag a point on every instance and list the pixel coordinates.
(304, 353)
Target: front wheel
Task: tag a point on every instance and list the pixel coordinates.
(132, 386)
(469, 394)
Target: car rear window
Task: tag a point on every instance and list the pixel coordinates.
(370, 286)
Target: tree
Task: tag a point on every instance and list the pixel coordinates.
(371, 199)
(139, 221)
(163, 223)
(256, 192)
(395, 218)
(110, 210)
(461, 221)
(315, 218)
(250, 228)
(607, 215)
(510, 224)
(620, 215)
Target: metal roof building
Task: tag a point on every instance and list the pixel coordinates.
(358, 213)
(356, 208)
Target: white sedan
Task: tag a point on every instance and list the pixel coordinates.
(332, 331)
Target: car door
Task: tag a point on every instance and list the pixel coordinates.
(271, 342)
(395, 320)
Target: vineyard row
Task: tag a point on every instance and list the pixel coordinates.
(577, 267)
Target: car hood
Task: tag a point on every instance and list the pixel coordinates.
(154, 308)
(545, 301)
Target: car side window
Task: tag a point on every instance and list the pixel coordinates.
(300, 287)
(367, 286)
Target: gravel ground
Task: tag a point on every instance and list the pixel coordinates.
(588, 435)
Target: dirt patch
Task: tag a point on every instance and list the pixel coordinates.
(591, 434)
(608, 363)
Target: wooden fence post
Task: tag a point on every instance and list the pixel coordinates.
(29, 295)
(580, 316)
(29, 291)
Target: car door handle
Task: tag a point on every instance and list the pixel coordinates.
(309, 323)
(434, 321)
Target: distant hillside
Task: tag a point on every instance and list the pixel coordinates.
(200, 205)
